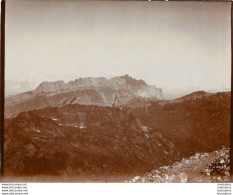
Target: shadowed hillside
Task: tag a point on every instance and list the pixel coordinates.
(126, 140)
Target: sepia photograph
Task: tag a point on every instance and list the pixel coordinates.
(117, 91)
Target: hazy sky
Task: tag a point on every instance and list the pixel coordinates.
(178, 46)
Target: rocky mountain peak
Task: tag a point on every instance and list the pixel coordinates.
(131, 81)
(90, 91)
(116, 83)
(51, 87)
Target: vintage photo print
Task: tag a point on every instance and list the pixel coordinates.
(117, 91)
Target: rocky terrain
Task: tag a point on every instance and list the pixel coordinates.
(119, 140)
(89, 91)
(201, 167)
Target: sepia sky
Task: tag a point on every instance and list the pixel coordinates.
(178, 46)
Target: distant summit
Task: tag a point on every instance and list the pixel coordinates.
(90, 91)
(195, 95)
(119, 82)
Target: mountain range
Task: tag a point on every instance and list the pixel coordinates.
(129, 134)
(89, 91)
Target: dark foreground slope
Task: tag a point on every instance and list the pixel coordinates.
(200, 118)
(88, 140)
(78, 139)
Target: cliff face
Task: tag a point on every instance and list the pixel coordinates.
(124, 83)
(90, 91)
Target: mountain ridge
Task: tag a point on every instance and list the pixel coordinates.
(88, 82)
(104, 140)
(91, 91)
